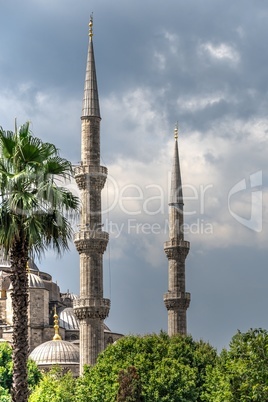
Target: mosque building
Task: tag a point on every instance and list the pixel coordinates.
(67, 329)
(45, 297)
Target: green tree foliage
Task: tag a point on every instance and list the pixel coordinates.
(5, 366)
(169, 369)
(162, 369)
(32, 218)
(241, 373)
(4, 395)
(34, 375)
(55, 387)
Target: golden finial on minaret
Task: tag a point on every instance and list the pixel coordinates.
(57, 336)
(91, 26)
(176, 131)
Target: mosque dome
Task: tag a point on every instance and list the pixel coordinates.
(53, 352)
(68, 319)
(5, 263)
(57, 352)
(34, 281)
(68, 298)
(68, 295)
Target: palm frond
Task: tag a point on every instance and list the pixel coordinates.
(7, 143)
(24, 130)
(9, 229)
(30, 195)
(58, 166)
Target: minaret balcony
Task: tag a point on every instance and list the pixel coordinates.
(91, 241)
(87, 175)
(91, 302)
(90, 169)
(176, 295)
(90, 307)
(176, 249)
(176, 300)
(91, 234)
(177, 243)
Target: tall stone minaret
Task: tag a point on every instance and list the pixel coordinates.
(176, 299)
(91, 308)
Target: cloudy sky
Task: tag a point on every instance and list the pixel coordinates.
(201, 63)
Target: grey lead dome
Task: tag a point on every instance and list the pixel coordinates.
(34, 281)
(67, 319)
(55, 352)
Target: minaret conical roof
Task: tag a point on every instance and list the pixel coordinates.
(176, 196)
(91, 98)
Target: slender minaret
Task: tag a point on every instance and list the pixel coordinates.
(176, 299)
(91, 308)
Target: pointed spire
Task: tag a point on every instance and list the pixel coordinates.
(57, 336)
(176, 196)
(91, 98)
(90, 34)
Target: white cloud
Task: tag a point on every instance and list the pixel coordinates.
(160, 60)
(50, 114)
(222, 52)
(137, 120)
(199, 102)
(208, 181)
(208, 163)
(173, 42)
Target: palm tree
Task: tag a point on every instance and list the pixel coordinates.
(34, 212)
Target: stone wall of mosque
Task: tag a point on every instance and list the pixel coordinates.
(38, 307)
(3, 310)
(110, 337)
(44, 296)
(49, 332)
(39, 335)
(35, 337)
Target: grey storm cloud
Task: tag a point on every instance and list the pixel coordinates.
(201, 63)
